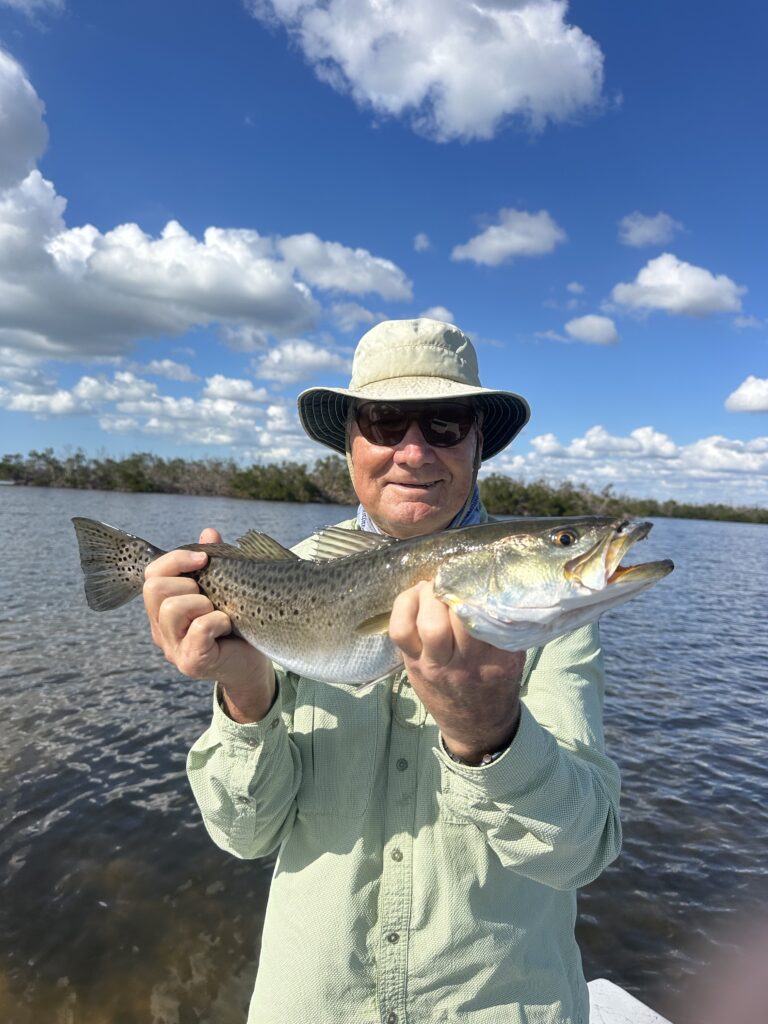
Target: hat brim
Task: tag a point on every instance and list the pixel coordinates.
(323, 411)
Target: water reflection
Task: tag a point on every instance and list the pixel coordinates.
(116, 907)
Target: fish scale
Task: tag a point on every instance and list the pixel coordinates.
(515, 584)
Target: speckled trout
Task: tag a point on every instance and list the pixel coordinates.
(514, 584)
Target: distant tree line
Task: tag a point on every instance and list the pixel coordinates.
(327, 481)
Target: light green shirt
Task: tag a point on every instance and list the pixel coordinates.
(409, 888)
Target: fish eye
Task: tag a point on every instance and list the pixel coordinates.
(564, 538)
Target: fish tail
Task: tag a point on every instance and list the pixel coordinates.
(113, 563)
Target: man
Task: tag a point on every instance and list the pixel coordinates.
(432, 830)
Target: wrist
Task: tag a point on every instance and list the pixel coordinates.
(248, 705)
(477, 754)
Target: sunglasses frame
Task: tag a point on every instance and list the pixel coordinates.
(419, 412)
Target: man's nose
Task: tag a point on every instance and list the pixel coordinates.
(413, 449)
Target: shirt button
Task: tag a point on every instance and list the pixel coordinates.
(391, 1017)
(393, 937)
(402, 764)
(397, 854)
(275, 723)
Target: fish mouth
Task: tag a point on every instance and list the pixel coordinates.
(601, 566)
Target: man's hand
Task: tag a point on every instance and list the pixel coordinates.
(470, 688)
(194, 637)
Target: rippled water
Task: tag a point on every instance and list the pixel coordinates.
(115, 907)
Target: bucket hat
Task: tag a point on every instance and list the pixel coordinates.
(408, 361)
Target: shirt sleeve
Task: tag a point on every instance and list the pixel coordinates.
(245, 777)
(549, 806)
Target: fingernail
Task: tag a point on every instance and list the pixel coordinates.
(199, 557)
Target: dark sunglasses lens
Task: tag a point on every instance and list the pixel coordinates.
(446, 426)
(443, 425)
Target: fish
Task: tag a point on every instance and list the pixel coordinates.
(515, 584)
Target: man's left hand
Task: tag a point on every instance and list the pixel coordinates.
(470, 688)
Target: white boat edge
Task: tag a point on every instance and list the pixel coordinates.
(610, 1004)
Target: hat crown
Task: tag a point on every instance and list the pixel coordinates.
(414, 348)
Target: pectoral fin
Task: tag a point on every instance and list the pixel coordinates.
(376, 625)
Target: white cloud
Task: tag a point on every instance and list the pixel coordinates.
(22, 129)
(638, 230)
(438, 313)
(575, 288)
(348, 315)
(597, 330)
(549, 336)
(77, 291)
(244, 338)
(40, 404)
(648, 463)
(171, 369)
(31, 7)
(298, 360)
(454, 70)
(669, 283)
(421, 242)
(750, 396)
(336, 267)
(517, 233)
(748, 323)
(235, 388)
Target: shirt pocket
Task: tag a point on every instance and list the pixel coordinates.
(337, 731)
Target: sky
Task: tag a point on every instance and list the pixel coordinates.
(205, 203)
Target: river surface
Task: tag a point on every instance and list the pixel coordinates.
(116, 908)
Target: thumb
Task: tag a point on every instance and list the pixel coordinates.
(210, 536)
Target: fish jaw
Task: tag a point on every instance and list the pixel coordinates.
(526, 627)
(597, 568)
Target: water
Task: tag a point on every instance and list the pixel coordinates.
(115, 907)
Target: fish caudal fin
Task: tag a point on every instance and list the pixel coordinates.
(113, 563)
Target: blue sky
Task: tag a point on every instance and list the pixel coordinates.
(203, 206)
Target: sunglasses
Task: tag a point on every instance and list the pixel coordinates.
(442, 424)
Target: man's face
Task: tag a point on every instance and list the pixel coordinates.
(412, 488)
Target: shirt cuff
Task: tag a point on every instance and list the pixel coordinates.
(236, 736)
(530, 755)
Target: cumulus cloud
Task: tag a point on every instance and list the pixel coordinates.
(77, 291)
(575, 288)
(421, 242)
(648, 463)
(171, 369)
(669, 283)
(597, 330)
(298, 360)
(452, 69)
(235, 388)
(349, 315)
(23, 135)
(517, 233)
(336, 267)
(439, 313)
(639, 230)
(750, 396)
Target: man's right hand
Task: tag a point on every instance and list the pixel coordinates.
(194, 637)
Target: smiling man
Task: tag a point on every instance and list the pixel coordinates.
(431, 830)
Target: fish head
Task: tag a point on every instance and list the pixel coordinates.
(543, 578)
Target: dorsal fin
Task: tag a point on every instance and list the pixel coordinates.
(263, 548)
(335, 542)
(222, 550)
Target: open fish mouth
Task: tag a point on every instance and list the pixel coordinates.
(601, 566)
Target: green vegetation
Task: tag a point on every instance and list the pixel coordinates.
(327, 481)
